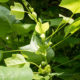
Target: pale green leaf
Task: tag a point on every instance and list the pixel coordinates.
(18, 11)
(45, 27)
(14, 73)
(72, 28)
(15, 60)
(42, 28)
(32, 48)
(66, 19)
(33, 16)
(2, 1)
(38, 28)
(73, 5)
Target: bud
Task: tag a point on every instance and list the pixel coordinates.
(40, 20)
(31, 9)
(42, 36)
(34, 14)
(49, 43)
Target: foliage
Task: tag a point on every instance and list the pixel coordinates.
(39, 44)
(72, 5)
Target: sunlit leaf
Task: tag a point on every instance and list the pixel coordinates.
(2, 1)
(14, 73)
(45, 27)
(15, 60)
(73, 5)
(38, 28)
(33, 46)
(31, 49)
(42, 28)
(72, 28)
(18, 11)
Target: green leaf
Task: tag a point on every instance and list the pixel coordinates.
(22, 29)
(42, 28)
(5, 21)
(66, 19)
(1, 55)
(39, 77)
(15, 60)
(54, 22)
(32, 48)
(32, 57)
(33, 16)
(14, 73)
(45, 27)
(2, 1)
(18, 11)
(72, 28)
(34, 44)
(50, 54)
(73, 5)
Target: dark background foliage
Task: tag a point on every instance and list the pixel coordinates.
(67, 53)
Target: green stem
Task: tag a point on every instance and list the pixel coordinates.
(61, 41)
(25, 4)
(15, 51)
(66, 62)
(20, 51)
(60, 27)
(34, 64)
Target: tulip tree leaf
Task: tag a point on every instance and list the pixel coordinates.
(73, 5)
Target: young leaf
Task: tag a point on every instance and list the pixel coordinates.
(45, 27)
(18, 11)
(73, 5)
(38, 28)
(42, 28)
(2, 1)
(15, 60)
